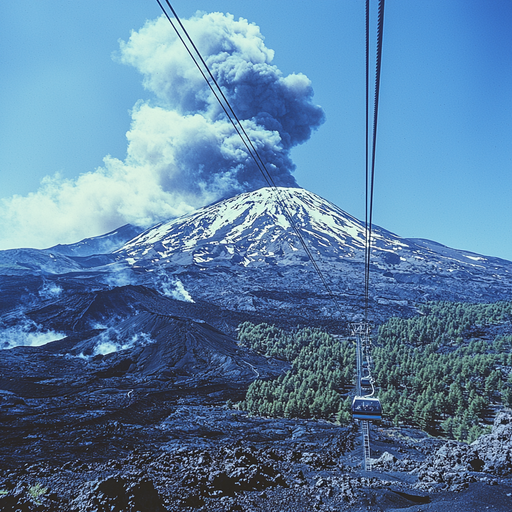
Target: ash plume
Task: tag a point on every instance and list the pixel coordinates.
(182, 151)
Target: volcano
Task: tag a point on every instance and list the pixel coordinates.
(243, 255)
(126, 360)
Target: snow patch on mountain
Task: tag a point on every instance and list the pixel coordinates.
(250, 227)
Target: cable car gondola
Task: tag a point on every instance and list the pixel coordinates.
(366, 383)
(366, 408)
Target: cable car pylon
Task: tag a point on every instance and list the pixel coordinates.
(365, 407)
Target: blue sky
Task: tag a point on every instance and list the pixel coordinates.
(444, 153)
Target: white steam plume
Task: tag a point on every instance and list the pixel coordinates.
(182, 152)
(110, 341)
(171, 286)
(50, 290)
(27, 334)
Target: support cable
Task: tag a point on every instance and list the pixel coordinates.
(364, 348)
(367, 154)
(237, 125)
(370, 172)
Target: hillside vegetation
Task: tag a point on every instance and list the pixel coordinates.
(446, 370)
(322, 370)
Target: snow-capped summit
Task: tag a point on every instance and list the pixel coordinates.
(252, 228)
(243, 253)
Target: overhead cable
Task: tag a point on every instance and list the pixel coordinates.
(370, 166)
(237, 125)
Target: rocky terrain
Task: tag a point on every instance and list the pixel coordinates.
(150, 448)
(112, 419)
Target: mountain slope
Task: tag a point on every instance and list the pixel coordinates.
(102, 244)
(251, 228)
(176, 349)
(16, 262)
(242, 253)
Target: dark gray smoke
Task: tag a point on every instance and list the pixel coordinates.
(277, 110)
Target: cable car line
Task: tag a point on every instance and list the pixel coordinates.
(370, 165)
(365, 406)
(237, 126)
(251, 149)
(226, 105)
(367, 154)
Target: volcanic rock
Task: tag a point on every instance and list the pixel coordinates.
(173, 348)
(494, 450)
(117, 494)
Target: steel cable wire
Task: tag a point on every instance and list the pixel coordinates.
(370, 170)
(251, 149)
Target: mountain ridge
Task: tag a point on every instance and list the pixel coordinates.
(261, 216)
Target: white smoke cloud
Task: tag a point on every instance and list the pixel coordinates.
(182, 152)
(171, 286)
(109, 342)
(50, 290)
(180, 293)
(27, 334)
(119, 278)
